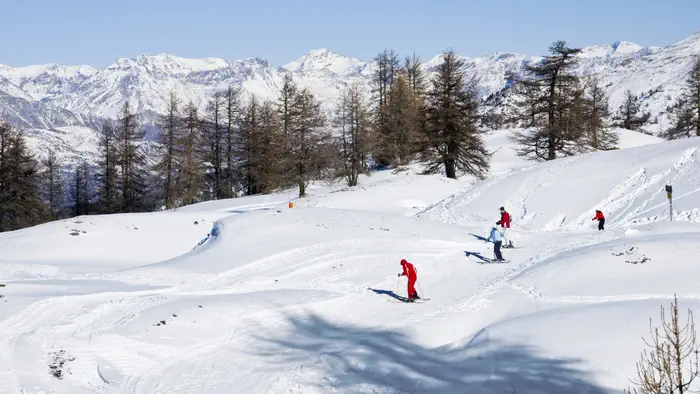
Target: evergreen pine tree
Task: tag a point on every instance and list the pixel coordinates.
(216, 141)
(454, 142)
(167, 167)
(107, 175)
(309, 142)
(598, 131)
(415, 74)
(686, 112)
(289, 118)
(247, 148)
(353, 121)
(131, 160)
(269, 168)
(81, 189)
(387, 67)
(233, 113)
(399, 140)
(549, 91)
(629, 115)
(52, 188)
(20, 200)
(191, 183)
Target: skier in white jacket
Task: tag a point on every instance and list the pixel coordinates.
(497, 238)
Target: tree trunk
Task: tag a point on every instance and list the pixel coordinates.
(697, 110)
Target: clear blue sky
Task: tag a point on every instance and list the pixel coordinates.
(97, 32)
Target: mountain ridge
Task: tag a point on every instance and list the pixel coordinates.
(51, 96)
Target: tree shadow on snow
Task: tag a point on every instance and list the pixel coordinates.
(352, 358)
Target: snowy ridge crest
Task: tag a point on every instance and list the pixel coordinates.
(52, 96)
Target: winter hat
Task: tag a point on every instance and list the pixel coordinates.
(501, 209)
(403, 262)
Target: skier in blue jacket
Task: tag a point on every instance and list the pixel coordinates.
(497, 238)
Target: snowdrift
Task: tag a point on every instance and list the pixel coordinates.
(100, 242)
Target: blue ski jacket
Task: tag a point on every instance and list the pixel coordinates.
(495, 235)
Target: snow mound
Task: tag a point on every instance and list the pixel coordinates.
(102, 242)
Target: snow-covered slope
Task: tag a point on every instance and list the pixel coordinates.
(49, 96)
(629, 190)
(248, 295)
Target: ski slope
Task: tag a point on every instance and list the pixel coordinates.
(257, 297)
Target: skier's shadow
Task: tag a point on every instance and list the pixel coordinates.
(389, 293)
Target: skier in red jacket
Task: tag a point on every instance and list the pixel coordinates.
(410, 271)
(505, 218)
(505, 224)
(601, 220)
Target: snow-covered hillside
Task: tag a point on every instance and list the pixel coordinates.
(48, 96)
(250, 296)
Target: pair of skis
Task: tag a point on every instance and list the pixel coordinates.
(484, 260)
(406, 300)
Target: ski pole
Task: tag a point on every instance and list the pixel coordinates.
(419, 288)
(418, 283)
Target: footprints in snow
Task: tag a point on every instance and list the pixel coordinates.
(58, 367)
(163, 322)
(638, 258)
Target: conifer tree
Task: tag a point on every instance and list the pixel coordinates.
(415, 74)
(686, 112)
(52, 188)
(81, 189)
(527, 107)
(269, 166)
(353, 120)
(131, 161)
(454, 142)
(629, 115)
(247, 148)
(191, 179)
(549, 92)
(216, 141)
(168, 167)
(400, 139)
(308, 142)
(598, 132)
(20, 200)
(233, 113)
(289, 118)
(387, 67)
(107, 176)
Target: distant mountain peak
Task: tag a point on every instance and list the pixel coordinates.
(51, 95)
(325, 59)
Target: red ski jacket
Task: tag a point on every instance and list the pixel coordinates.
(408, 269)
(505, 219)
(598, 215)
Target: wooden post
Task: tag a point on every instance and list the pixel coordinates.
(669, 195)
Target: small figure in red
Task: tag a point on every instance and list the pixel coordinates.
(505, 224)
(601, 220)
(505, 218)
(410, 271)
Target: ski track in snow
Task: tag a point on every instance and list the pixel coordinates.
(82, 324)
(116, 348)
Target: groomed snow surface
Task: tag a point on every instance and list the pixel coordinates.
(251, 296)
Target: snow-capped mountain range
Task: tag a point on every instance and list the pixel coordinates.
(52, 100)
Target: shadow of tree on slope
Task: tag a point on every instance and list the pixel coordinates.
(352, 358)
